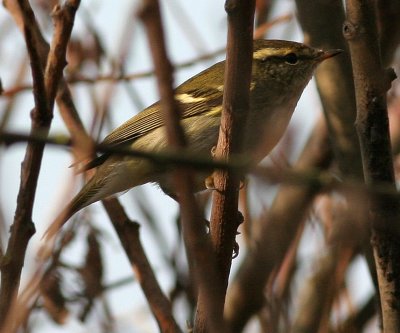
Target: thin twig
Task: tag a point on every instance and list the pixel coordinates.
(307, 172)
(77, 78)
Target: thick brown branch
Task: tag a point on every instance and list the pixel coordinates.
(225, 218)
(371, 84)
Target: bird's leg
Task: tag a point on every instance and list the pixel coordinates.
(209, 181)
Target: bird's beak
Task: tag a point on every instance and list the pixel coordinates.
(323, 55)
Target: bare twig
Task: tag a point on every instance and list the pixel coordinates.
(121, 77)
(77, 78)
(128, 232)
(63, 22)
(303, 174)
(64, 101)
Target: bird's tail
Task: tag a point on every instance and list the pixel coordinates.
(81, 200)
(61, 219)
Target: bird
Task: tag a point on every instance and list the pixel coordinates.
(280, 71)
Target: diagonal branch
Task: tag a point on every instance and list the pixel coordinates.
(128, 232)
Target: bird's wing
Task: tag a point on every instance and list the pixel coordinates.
(196, 96)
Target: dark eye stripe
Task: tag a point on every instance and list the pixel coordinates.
(290, 55)
(291, 58)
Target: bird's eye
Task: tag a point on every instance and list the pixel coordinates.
(291, 58)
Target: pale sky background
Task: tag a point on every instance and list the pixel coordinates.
(208, 18)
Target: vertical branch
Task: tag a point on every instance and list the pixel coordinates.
(196, 241)
(224, 216)
(63, 18)
(371, 84)
(322, 29)
(23, 227)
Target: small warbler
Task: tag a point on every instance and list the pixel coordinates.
(280, 72)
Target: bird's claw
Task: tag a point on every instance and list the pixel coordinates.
(209, 182)
(240, 220)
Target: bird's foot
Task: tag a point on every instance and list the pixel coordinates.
(240, 220)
